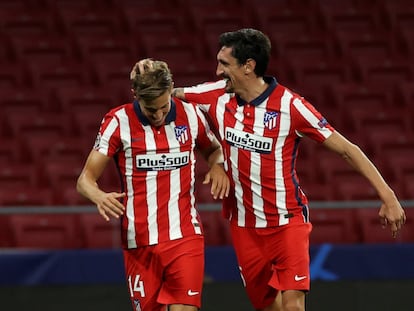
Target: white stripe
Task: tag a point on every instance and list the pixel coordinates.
(284, 128)
(106, 136)
(220, 109)
(175, 188)
(234, 152)
(125, 135)
(255, 170)
(151, 184)
(311, 118)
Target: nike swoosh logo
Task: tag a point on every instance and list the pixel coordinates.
(300, 278)
(191, 293)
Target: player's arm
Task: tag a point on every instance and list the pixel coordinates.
(107, 203)
(220, 183)
(391, 213)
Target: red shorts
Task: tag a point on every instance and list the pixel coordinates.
(272, 259)
(164, 274)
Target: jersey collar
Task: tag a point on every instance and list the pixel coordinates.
(258, 100)
(171, 116)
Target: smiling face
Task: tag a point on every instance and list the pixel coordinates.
(156, 110)
(228, 68)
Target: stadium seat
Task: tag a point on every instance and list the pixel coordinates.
(107, 50)
(17, 175)
(71, 197)
(29, 21)
(10, 151)
(59, 175)
(23, 100)
(6, 235)
(64, 148)
(26, 196)
(175, 50)
(156, 20)
(225, 18)
(315, 47)
(68, 74)
(345, 17)
(21, 125)
(273, 18)
(86, 99)
(354, 189)
(99, 233)
(366, 45)
(372, 231)
(216, 228)
(391, 72)
(97, 20)
(45, 231)
(13, 76)
(333, 225)
(44, 48)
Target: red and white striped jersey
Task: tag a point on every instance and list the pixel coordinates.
(260, 140)
(156, 166)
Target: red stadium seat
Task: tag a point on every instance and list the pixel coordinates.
(333, 225)
(216, 228)
(86, 99)
(17, 175)
(16, 21)
(107, 50)
(79, 21)
(6, 234)
(208, 19)
(69, 74)
(156, 20)
(175, 50)
(59, 175)
(33, 196)
(49, 48)
(99, 233)
(45, 231)
(45, 123)
(372, 231)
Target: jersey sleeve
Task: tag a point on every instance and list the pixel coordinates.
(108, 139)
(205, 135)
(307, 121)
(206, 94)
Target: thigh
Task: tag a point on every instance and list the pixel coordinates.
(255, 267)
(144, 278)
(291, 262)
(184, 271)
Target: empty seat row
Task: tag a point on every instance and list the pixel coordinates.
(90, 230)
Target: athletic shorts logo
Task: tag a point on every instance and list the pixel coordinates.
(137, 304)
(191, 293)
(162, 161)
(248, 141)
(300, 278)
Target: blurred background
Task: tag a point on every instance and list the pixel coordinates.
(64, 63)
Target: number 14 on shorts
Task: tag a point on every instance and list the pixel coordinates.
(136, 285)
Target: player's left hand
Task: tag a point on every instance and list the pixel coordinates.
(392, 214)
(220, 183)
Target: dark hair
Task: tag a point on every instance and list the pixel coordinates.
(153, 82)
(248, 43)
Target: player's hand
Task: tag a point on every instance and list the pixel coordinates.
(392, 214)
(140, 66)
(220, 183)
(108, 205)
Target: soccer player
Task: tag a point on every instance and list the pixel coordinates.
(260, 123)
(153, 142)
